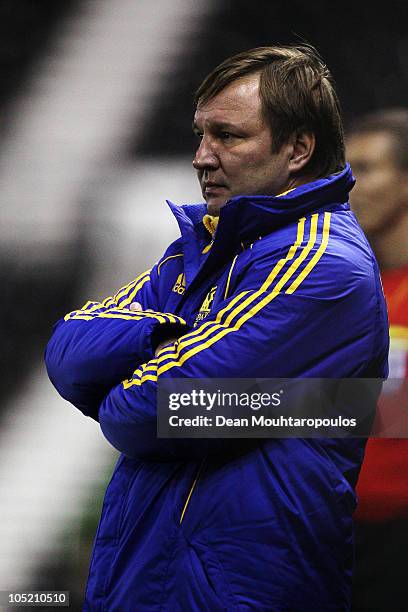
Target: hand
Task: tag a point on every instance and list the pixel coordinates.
(163, 344)
(137, 307)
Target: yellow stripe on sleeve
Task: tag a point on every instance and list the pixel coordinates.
(126, 314)
(199, 334)
(91, 306)
(148, 371)
(73, 315)
(125, 290)
(134, 291)
(129, 317)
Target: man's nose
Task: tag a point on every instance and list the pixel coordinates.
(205, 156)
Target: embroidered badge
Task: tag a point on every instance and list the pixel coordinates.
(206, 305)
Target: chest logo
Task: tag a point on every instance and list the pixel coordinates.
(180, 284)
(206, 305)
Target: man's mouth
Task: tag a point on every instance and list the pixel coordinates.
(212, 188)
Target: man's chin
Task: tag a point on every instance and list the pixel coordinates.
(214, 206)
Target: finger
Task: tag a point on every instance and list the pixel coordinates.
(135, 307)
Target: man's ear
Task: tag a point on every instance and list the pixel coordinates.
(303, 147)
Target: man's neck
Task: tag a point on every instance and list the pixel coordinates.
(391, 246)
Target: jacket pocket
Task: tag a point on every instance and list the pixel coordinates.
(211, 580)
(110, 525)
(116, 496)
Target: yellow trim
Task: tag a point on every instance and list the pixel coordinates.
(285, 192)
(130, 297)
(167, 259)
(167, 349)
(130, 382)
(117, 315)
(137, 382)
(192, 489)
(91, 306)
(163, 317)
(145, 377)
(207, 248)
(71, 315)
(229, 276)
(124, 290)
(149, 315)
(311, 264)
(91, 317)
(291, 253)
(146, 371)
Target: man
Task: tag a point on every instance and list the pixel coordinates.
(276, 281)
(378, 151)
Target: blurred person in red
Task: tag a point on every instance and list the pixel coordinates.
(377, 149)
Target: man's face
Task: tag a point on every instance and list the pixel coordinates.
(379, 196)
(235, 152)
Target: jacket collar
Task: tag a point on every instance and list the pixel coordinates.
(254, 216)
(245, 218)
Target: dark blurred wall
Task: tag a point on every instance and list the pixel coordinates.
(26, 27)
(364, 44)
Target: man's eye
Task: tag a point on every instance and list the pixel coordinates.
(226, 135)
(199, 135)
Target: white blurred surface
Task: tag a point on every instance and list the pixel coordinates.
(101, 74)
(50, 453)
(131, 225)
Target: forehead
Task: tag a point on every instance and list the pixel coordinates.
(371, 146)
(237, 102)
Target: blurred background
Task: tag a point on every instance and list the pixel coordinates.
(95, 134)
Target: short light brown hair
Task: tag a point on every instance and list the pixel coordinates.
(297, 94)
(393, 121)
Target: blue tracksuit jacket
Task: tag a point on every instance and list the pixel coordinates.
(287, 287)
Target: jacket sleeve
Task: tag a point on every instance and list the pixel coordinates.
(282, 319)
(92, 349)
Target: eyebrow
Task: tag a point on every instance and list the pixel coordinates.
(220, 125)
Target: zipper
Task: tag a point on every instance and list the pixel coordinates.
(197, 476)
